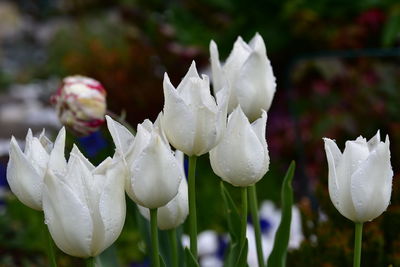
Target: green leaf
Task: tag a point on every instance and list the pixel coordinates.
(162, 262)
(277, 257)
(232, 253)
(242, 259)
(392, 27)
(190, 260)
(232, 214)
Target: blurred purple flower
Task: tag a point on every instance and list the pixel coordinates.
(93, 143)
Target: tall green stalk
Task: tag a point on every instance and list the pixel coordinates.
(91, 262)
(192, 206)
(256, 223)
(357, 244)
(244, 216)
(154, 238)
(174, 247)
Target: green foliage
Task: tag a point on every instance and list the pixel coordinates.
(232, 214)
(392, 28)
(190, 260)
(242, 259)
(277, 257)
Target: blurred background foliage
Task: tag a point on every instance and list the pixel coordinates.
(338, 75)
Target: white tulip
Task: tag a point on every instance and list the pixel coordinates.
(84, 205)
(193, 121)
(241, 158)
(154, 174)
(26, 170)
(248, 75)
(360, 179)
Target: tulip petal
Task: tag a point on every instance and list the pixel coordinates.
(112, 215)
(155, 175)
(371, 184)
(354, 153)
(255, 85)
(38, 157)
(221, 98)
(239, 158)
(28, 142)
(176, 210)
(333, 156)
(158, 128)
(257, 44)
(259, 127)
(142, 138)
(24, 180)
(174, 107)
(122, 137)
(184, 84)
(67, 217)
(46, 143)
(57, 160)
(77, 153)
(374, 141)
(174, 213)
(236, 58)
(334, 150)
(216, 69)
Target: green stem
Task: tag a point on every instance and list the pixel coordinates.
(244, 216)
(91, 262)
(192, 206)
(154, 238)
(174, 247)
(256, 223)
(357, 245)
(50, 247)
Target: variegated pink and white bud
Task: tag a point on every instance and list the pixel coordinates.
(80, 103)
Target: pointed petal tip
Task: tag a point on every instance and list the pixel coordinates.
(75, 150)
(328, 140)
(213, 46)
(193, 64)
(264, 113)
(166, 81)
(108, 118)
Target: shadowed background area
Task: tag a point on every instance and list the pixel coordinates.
(338, 76)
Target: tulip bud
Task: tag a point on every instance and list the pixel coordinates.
(248, 75)
(26, 170)
(84, 205)
(360, 179)
(154, 174)
(175, 212)
(193, 121)
(80, 103)
(241, 158)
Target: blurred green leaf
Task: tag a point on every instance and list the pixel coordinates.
(232, 252)
(232, 214)
(277, 257)
(391, 32)
(162, 262)
(242, 259)
(190, 260)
